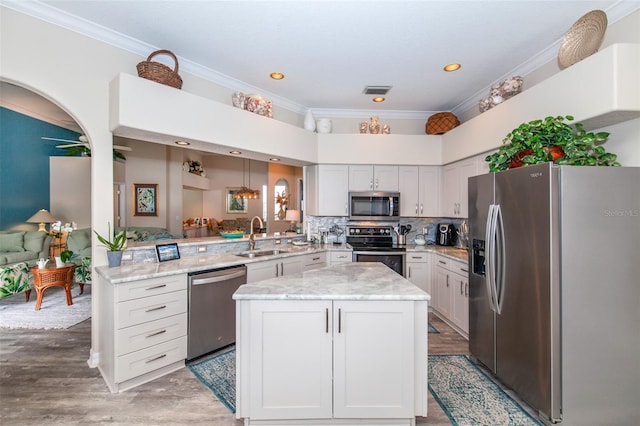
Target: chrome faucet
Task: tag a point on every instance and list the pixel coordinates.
(252, 236)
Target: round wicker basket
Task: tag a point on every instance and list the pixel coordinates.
(158, 72)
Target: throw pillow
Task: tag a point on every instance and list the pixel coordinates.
(13, 241)
(33, 241)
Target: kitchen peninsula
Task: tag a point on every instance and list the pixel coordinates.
(334, 345)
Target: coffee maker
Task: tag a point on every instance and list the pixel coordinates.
(446, 234)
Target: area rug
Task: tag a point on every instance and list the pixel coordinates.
(469, 397)
(433, 330)
(53, 314)
(218, 373)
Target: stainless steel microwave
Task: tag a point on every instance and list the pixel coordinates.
(374, 205)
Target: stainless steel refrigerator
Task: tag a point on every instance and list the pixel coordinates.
(554, 304)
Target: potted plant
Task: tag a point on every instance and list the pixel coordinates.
(551, 139)
(114, 244)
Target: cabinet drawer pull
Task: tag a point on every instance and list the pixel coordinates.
(326, 320)
(464, 270)
(339, 320)
(416, 257)
(440, 261)
(156, 333)
(316, 258)
(155, 287)
(156, 308)
(155, 359)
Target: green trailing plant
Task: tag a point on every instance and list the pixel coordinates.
(551, 139)
(113, 242)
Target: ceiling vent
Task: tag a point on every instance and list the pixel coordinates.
(376, 90)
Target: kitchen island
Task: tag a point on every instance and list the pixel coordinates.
(337, 345)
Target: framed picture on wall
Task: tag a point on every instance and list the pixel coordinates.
(145, 199)
(235, 205)
(205, 221)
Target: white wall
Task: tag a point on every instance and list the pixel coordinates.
(70, 189)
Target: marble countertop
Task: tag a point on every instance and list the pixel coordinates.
(144, 270)
(345, 281)
(138, 271)
(451, 252)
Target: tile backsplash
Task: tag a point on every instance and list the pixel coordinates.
(314, 225)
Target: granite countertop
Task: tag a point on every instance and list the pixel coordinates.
(345, 281)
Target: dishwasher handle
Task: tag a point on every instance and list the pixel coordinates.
(223, 276)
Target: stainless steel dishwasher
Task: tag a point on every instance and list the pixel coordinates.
(212, 311)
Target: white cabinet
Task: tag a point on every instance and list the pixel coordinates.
(313, 261)
(373, 178)
(340, 256)
(451, 293)
(442, 287)
(460, 294)
(419, 191)
(259, 271)
(327, 190)
(143, 332)
(314, 359)
(455, 187)
(419, 269)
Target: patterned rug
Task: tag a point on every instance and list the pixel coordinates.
(54, 312)
(432, 329)
(218, 373)
(465, 393)
(469, 397)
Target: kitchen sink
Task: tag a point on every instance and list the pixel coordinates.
(259, 253)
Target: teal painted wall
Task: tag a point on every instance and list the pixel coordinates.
(24, 165)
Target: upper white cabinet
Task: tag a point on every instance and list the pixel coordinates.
(327, 190)
(455, 186)
(419, 191)
(373, 178)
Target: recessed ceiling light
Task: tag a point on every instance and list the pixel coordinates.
(183, 143)
(378, 99)
(235, 152)
(274, 159)
(452, 67)
(276, 75)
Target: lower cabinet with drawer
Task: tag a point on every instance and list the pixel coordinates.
(451, 293)
(143, 330)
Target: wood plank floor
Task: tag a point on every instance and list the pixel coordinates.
(45, 380)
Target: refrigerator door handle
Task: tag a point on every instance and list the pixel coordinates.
(490, 257)
(500, 256)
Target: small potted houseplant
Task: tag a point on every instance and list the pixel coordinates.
(114, 244)
(551, 139)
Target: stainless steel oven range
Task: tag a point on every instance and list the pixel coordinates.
(375, 244)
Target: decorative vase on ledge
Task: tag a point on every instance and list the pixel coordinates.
(59, 262)
(114, 258)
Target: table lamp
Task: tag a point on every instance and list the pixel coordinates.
(41, 217)
(292, 216)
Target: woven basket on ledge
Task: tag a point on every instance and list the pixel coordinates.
(441, 123)
(160, 73)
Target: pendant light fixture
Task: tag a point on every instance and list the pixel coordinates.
(246, 192)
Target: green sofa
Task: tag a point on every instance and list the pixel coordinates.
(20, 246)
